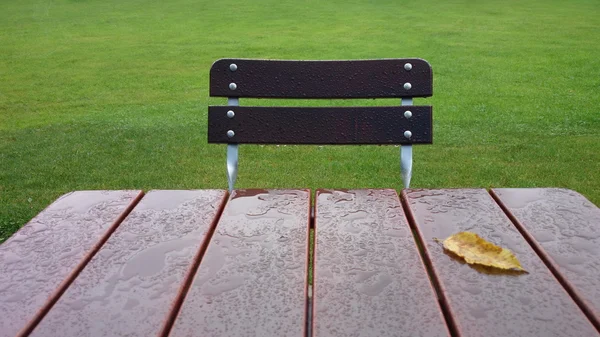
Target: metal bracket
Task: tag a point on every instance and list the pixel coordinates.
(232, 152)
(232, 165)
(406, 157)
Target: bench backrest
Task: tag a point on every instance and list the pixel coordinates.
(386, 78)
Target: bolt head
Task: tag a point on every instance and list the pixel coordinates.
(230, 114)
(233, 86)
(407, 86)
(233, 67)
(407, 114)
(230, 133)
(407, 134)
(407, 66)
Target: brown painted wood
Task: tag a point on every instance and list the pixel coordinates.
(130, 286)
(369, 278)
(483, 301)
(41, 259)
(564, 228)
(252, 279)
(321, 79)
(310, 125)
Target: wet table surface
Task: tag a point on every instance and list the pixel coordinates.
(295, 263)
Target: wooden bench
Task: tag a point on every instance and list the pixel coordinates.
(392, 78)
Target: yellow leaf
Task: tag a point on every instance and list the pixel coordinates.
(476, 250)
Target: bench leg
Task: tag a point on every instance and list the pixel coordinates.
(406, 164)
(232, 164)
(232, 152)
(406, 154)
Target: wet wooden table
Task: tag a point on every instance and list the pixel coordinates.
(273, 263)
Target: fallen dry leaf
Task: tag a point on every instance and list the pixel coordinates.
(476, 250)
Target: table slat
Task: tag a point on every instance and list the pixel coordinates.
(480, 300)
(564, 227)
(41, 259)
(369, 277)
(131, 284)
(252, 279)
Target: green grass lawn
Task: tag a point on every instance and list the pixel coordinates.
(113, 94)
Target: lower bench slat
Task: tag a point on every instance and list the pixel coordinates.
(565, 228)
(483, 301)
(252, 279)
(130, 285)
(40, 260)
(369, 278)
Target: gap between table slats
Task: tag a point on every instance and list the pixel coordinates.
(369, 279)
(478, 299)
(131, 285)
(541, 215)
(252, 280)
(101, 213)
(192, 271)
(442, 301)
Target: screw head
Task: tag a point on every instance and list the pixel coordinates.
(407, 114)
(233, 86)
(230, 113)
(407, 134)
(230, 133)
(407, 86)
(233, 67)
(407, 66)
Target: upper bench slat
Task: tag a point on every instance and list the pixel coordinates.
(321, 79)
(40, 260)
(565, 229)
